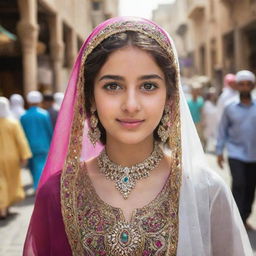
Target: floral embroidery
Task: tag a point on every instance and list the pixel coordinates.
(104, 231)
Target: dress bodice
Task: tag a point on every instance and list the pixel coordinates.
(104, 230)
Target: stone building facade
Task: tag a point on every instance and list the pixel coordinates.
(49, 34)
(214, 37)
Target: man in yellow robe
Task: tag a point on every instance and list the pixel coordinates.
(14, 152)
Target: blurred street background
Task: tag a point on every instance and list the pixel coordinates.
(40, 39)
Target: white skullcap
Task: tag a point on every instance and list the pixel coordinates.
(34, 97)
(16, 100)
(196, 85)
(245, 75)
(58, 98)
(212, 90)
(4, 107)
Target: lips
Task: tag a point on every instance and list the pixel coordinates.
(130, 123)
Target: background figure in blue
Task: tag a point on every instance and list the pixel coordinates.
(37, 125)
(195, 104)
(237, 131)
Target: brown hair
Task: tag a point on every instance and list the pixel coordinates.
(100, 54)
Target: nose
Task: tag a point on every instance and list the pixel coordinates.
(131, 102)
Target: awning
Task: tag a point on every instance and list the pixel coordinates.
(6, 36)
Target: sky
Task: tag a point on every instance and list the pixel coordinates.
(141, 8)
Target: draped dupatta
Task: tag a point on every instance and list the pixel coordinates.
(77, 142)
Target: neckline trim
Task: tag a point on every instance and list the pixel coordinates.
(147, 206)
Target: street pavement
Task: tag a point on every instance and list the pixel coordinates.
(13, 230)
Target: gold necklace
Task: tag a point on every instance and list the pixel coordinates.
(126, 177)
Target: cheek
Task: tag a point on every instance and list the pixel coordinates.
(155, 107)
(105, 106)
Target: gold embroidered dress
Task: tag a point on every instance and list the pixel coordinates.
(104, 230)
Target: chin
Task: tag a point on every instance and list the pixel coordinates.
(131, 139)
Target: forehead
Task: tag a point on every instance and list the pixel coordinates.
(130, 60)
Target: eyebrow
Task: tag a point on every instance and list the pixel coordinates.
(151, 76)
(120, 78)
(112, 77)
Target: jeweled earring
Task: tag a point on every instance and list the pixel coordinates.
(164, 128)
(94, 132)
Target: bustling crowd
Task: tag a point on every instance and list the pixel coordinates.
(228, 121)
(25, 137)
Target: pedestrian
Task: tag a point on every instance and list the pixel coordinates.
(195, 104)
(17, 106)
(48, 104)
(14, 152)
(209, 120)
(237, 132)
(38, 129)
(58, 98)
(228, 95)
(143, 187)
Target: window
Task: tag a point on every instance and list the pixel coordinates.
(96, 5)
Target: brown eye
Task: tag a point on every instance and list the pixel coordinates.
(149, 86)
(112, 87)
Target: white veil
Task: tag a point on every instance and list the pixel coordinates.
(209, 220)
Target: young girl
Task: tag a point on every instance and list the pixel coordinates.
(126, 174)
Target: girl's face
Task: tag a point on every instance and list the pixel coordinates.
(130, 95)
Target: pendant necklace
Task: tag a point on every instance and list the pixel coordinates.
(126, 177)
